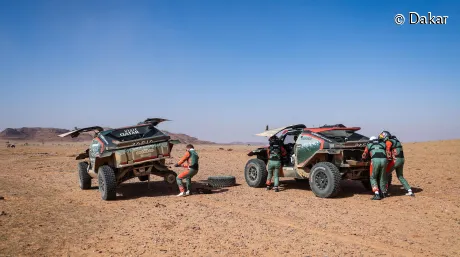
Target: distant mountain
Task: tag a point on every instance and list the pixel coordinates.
(186, 139)
(40, 134)
(51, 135)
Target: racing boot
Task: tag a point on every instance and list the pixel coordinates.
(409, 193)
(182, 191)
(187, 193)
(276, 189)
(376, 197)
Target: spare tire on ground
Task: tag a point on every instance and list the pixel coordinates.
(221, 181)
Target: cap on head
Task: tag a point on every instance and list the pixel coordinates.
(189, 146)
(372, 138)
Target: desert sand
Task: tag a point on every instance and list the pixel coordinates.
(44, 212)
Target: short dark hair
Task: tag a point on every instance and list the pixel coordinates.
(189, 146)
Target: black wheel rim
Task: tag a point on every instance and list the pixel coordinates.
(321, 180)
(252, 173)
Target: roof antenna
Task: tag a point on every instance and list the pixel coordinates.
(266, 128)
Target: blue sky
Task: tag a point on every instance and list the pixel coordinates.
(222, 70)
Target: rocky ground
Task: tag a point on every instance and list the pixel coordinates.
(44, 213)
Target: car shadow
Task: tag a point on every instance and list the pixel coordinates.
(349, 188)
(130, 191)
(294, 185)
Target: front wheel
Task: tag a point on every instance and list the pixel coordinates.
(255, 173)
(107, 183)
(84, 177)
(325, 180)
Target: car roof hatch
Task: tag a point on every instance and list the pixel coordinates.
(332, 128)
(76, 133)
(271, 132)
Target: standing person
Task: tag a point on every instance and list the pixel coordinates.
(190, 162)
(395, 149)
(274, 153)
(375, 149)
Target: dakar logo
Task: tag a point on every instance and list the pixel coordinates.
(128, 132)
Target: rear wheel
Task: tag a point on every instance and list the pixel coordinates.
(84, 177)
(107, 182)
(325, 180)
(255, 173)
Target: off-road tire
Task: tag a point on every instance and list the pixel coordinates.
(255, 173)
(143, 178)
(83, 176)
(221, 181)
(170, 177)
(107, 183)
(325, 180)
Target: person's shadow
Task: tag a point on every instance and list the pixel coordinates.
(398, 190)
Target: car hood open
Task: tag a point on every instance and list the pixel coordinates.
(76, 133)
(271, 132)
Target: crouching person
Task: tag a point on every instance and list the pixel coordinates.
(190, 162)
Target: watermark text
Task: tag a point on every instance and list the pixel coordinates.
(416, 18)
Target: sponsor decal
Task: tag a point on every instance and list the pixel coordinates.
(143, 142)
(129, 132)
(149, 148)
(145, 151)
